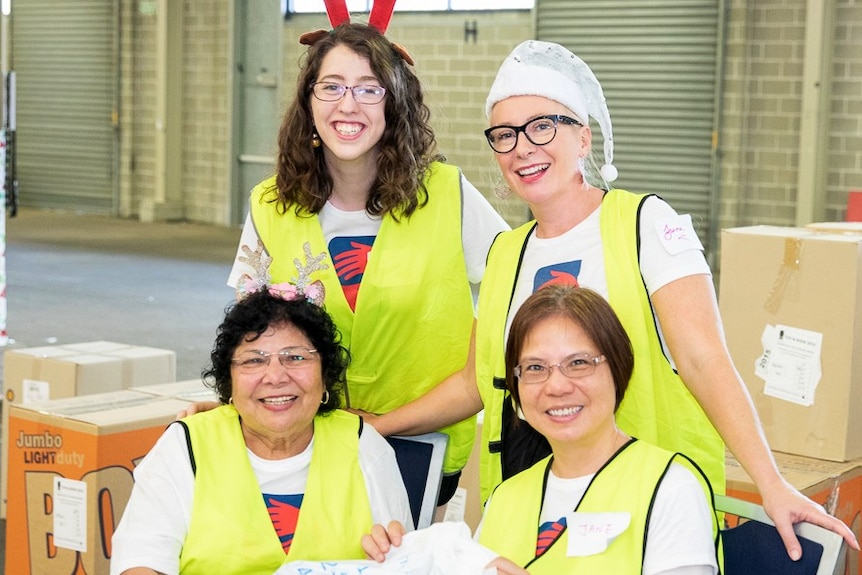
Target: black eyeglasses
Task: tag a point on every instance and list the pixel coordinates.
(333, 91)
(539, 131)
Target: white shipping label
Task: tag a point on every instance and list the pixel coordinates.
(70, 514)
(790, 364)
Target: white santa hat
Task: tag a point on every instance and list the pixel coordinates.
(536, 68)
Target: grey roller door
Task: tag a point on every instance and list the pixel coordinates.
(64, 57)
(657, 63)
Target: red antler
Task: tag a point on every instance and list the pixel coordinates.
(337, 12)
(381, 14)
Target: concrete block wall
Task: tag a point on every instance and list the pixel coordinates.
(207, 109)
(762, 106)
(846, 122)
(456, 73)
(759, 138)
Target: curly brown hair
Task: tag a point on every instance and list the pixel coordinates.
(406, 149)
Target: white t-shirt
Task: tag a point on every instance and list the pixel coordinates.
(480, 225)
(156, 519)
(680, 529)
(669, 251)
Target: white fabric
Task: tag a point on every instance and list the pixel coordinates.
(680, 528)
(441, 549)
(161, 501)
(583, 244)
(480, 225)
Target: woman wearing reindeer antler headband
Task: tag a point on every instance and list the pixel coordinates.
(358, 176)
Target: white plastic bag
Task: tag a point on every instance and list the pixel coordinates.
(442, 549)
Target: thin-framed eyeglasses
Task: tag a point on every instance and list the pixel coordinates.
(333, 91)
(539, 131)
(256, 361)
(575, 365)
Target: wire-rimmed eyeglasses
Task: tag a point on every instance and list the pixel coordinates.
(333, 91)
(255, 360)
(575, 365)
(539, 131)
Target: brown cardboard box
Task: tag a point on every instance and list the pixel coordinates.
(86, 446)
(188, 389)
(465, 504)
(836, 486)
(790, 300)
(836, 227)
(51, 372)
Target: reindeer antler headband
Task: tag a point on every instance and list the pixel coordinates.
(381, 14)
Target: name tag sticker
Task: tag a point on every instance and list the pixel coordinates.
(677, 234)
(590, 533)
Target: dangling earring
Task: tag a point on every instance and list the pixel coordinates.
(315, 140)
(502, 189)
(325, 399)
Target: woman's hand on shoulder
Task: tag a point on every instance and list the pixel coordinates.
(506, 567)
(381, 539)
(197, 407)
(366, 416)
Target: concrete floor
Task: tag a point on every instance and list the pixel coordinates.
(73, 278)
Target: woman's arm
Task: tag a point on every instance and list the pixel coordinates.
(689, 318)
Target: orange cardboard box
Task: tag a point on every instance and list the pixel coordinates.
(57, 371)
(70, 476)
(835, 485)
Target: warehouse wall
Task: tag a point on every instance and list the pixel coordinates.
(763, 106)
(759, 140)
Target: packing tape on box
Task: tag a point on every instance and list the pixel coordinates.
(786, 274)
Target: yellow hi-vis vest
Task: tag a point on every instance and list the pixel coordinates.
(658, 407)
(626, 483)
(414, 310)
(231, 531)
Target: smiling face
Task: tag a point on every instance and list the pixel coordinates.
(538, 174)
(277, 405)
(350, 131)
(567, 411)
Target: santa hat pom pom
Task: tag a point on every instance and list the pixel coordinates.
(609, 172)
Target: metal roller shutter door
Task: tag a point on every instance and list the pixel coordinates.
(657, 62)
(64, 58)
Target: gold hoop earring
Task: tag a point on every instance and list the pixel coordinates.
(325, 399)
(315, 140)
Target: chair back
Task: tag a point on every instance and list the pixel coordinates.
(420, 459)
(754, 547)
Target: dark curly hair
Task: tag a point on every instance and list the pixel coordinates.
(585, 308)
(407, 146)
(249, 318)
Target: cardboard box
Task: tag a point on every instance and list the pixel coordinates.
(836, 227)
(70, 476)
(189, 389)
(465, 505)
(52, 372)
(836, 486)
(791, 303)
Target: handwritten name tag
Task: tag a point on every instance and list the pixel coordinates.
(590, 533)
(677, 234)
